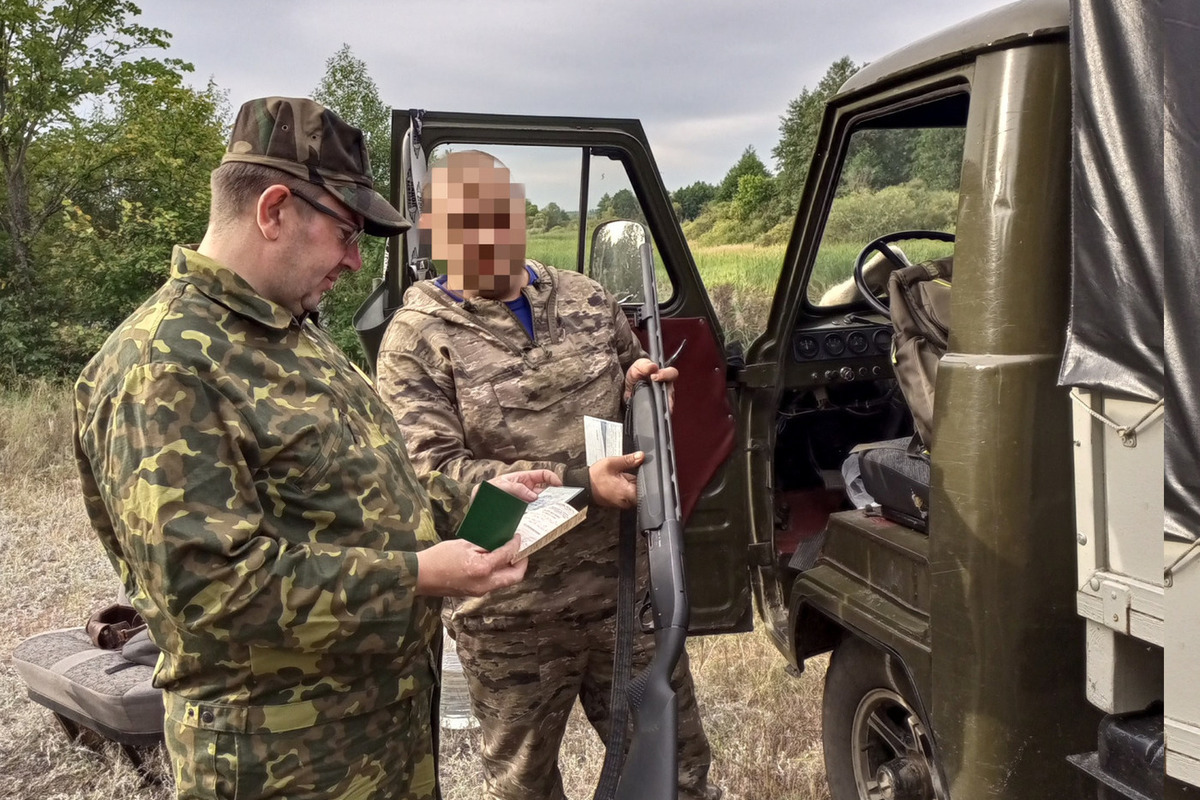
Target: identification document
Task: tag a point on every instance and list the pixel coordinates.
(495, 515)
(602, 438)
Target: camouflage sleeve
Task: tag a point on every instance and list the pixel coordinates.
(175, 457)
(449, 500)
(422, 398)
(629, 349)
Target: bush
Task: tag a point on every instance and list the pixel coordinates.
(863, 215)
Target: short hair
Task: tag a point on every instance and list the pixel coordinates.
(237, 184)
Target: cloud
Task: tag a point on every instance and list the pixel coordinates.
(706, 77)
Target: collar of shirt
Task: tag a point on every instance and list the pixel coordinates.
(224, 286)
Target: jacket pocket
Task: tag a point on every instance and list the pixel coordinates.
(552, 383)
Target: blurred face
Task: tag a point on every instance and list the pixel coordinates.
(476, 223)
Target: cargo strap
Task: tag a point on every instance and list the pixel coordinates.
(618, 705)
(1127, 433)
(1177, 565)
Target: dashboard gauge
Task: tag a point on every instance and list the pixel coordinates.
(883, 340)
(858, 343)
(835, 345)
(807, 347)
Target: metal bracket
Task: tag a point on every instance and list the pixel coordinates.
(1115, 600)
(761, 554)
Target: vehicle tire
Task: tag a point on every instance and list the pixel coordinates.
(877, 747)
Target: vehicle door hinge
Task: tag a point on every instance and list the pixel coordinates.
(760, 554)
(758, 376)
(1115, 602)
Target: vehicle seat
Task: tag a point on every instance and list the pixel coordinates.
(106, 691)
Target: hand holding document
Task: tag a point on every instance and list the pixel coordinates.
(602, 438)
(495, 516)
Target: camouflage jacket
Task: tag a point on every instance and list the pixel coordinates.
(253, 492)
(476, 398)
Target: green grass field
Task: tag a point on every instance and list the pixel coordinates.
(740, 278)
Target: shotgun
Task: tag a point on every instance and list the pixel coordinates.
(651, 767)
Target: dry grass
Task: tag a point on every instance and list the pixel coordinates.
(763, 724)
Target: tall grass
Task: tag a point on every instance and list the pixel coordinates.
(36, 422)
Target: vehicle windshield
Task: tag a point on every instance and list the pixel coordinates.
(892, 179)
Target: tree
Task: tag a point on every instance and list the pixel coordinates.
(748, 164)
(754, 194)
(64, 66)
(692, 199)
(57, 58)
(550, 216)
(626, 206)
(878, 158)
(800, 125)
(159, 146)
(937, 157)
(604, 208)
(348, 89)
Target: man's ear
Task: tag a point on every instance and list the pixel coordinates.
(269, 210)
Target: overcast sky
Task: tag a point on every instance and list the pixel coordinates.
(705, 77)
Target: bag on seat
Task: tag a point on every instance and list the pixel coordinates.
(919, 299)
(112, 626)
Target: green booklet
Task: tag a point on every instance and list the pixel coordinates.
(495, 515)
(492, 518)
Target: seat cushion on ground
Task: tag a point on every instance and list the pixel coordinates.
(96, 688)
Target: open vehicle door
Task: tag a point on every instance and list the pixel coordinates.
(579, 173)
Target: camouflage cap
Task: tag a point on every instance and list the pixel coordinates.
(303, 138)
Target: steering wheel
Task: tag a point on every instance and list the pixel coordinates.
(880, 246)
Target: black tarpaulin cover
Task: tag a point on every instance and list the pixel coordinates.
(1181, 158)
(1115, 335)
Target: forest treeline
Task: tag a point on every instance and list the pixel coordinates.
(106, 152)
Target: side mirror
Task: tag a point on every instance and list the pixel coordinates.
(616, 262)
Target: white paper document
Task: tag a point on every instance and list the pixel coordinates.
(603, 438)
(554, 494)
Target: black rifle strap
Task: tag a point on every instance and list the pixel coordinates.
(434, 651)
(618, 704)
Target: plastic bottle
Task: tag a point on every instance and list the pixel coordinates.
(456, 699)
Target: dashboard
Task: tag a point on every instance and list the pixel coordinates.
(853, 347)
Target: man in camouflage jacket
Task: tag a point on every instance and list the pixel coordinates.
(489, 369)
(253, 491)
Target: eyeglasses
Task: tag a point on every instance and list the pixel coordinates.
(351, 234)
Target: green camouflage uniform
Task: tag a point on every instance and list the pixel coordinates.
(477, 398)
(253, 492)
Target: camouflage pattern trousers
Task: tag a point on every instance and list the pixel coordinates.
(523, 682)
(382, 754)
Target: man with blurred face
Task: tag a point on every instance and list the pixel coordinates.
(491, 368)
(253, 492)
